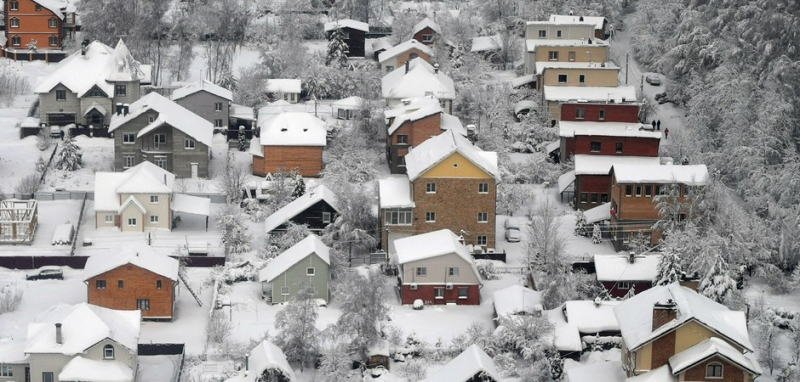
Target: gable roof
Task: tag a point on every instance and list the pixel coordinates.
(635, 316)
(486, 43)
(268, 356)
(83, 325)
(615, 94)
(592, 316)
(429, 245)
(409, 105)
(402, 48)
(395, 192)
(312, 197)
(293, 255)
(54, 6)
(515, 299)
(471, 361)
(144, 178)
(202, 86)
(134, 253)
(597, 21)
(694, 175)
(346, 23)
(292, 129)
(426, 23)
(434, 150)
(90, 370)
(661, 374)
(617, 267)
(169, 112)
(709, 348)
(351, 102)
(420, 81)
(284, 85)
(411, 116)
(131, 201)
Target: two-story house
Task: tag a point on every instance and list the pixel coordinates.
(72, 343)
(412, 123)
(208, 100)
(426, 31)
(306, 263)
(45, 23)
(607, 138)
(402, 53)
(450, 184)
(634, 189)
(581, 97)
(90, 85)
(600, 23)
(591, 176)
(547, 41)
(558, 73)
(417, 78)
(671, 333)
(134, 278)
(289, 141)
(600, 111)
(354, 35)
(161, 131)
(437, 268)
(316, 209)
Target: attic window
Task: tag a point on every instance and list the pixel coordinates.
(284, 129)
(455, 165)
(108, 352)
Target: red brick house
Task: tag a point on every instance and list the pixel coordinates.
(620, 274)
(47, 22)
(426, 31)
(135, 278)
(289, 141)
(600, 111)
(402, 53)
(555, 97)
(436, 268)
(607, 138)
(592, 179)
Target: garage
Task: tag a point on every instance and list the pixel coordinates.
(60, 119)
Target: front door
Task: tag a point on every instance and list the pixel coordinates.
(194, 170)
(27, 374)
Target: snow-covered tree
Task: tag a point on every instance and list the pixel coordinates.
(717, 284)
(242, 140)
(233, 229)
(580, 224)
(227, 80)
(523, 336)
(43, 139)
(355, 227)
(671, 207)
(363, 305)
(293, 235)
(669, 269)
(335, 366)
(794, 279)
(597, 236)
(33, 46)
(298, 336)
(511, 197)
(70, 158)
(299, 186)
(232, 178)
(640, 243)
(337, 49)
(545, 245)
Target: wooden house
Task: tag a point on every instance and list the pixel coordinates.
(354, 34)
(305, 263)
(623, 274)
(316, 209)
(607, 138)
(399, 55)
(426, 31)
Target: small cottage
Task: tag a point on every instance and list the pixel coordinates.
(289, 141)
(266, 362)
(398, 55)
(316, 209)
(305, 263)
(285, 89)
(620, 274)
(472, 365)
(354, 34)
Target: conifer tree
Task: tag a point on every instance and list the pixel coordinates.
(669, 269)
(718, 285)
(597, 237)
(242, 139)
(70, 157)
(337, 49)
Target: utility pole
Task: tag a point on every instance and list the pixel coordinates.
(627, 54)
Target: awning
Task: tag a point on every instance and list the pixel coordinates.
(524, 80)
(95, 106)
(598, 214)
(565, 181)
(194, 205)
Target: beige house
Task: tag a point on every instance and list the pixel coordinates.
(582, 50)
(555, 30)
(557, 73)
(397, 56)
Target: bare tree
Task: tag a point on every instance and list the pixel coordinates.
(233, 178)
(298, 337)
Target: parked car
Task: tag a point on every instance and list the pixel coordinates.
(512, 235)
(47, 273)
(653, 79)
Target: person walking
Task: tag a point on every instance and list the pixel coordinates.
(654, 124)
(61, 134)
(658, 125)
(666, 132)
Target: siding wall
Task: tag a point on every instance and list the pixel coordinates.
(202, 104)
(307, 159)
(295, 277)
(614, 112)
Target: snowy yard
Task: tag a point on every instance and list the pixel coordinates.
(51, 214)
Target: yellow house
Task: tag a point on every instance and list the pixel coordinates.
(557, 73)
(582, 50)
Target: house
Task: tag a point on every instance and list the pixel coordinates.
(426, 31)
(241, 117)
(354, 34)
(413, 122)
(436, 267)
(18, 221)
(346, 108)
(450, 184)
(490, 48)
(516, 300)
(600, 23)
(379, 46)
(565, 335)
(417, 79)
(141, 198)
(592, 318)
(207, 100)
(134, 278)
(567, 50)
(555, 96)
(600, 110)
(558, 73)
(623, 274)
(472, 365)
(399, 55)
(306, 263)
(285, 89)
(316, 209)
(90, 85)
(161, 131)
(633, 191)
(671, 333)
(592, 181)
(44, 23)
(13, 360)
(553, 30)
(607, 138)
(266, 362)
(81, 342)
(289, 141)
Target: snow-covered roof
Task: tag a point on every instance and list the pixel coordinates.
(381, 44)
(415, 115)
(661, 374)
(320, 193)
(346, 23)
(409, 105)
(395, 192)
(597, 372)
(82, 326)
(462, 368)
(12, 350)
(591, 317)
(421, 80)
(694, 175)
(169, 112)
(89, 370)
(425, 23)
(352, 103)
(55, 6)
(202, 86)
(523, 80)
(486, 43)
(402, 48)
(516, 299)
(453, 123)
(195, 205)
(242, 112)
(532, 44)
(268, 356)
(707, 349)
(429, 245)
(277, 85)
(565, 180)
(292, 129)
(144, 178)
(134, 253)
(597, 21)
(586, 164)
(525, 104)
(553, 146)
(98, 67)
(635, 316)
(95, 106)
(434, 150)
(566, 337)
(616, 94)
(571, 129)
(541, 66)
(293, 255)
(598, 214)
(618, 268)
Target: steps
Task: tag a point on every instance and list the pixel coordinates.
(183, 278)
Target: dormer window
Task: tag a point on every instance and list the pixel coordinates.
(108, 352)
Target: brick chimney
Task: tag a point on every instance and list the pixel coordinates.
(59, 340)
(664, 312)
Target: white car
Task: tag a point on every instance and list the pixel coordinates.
(653, 79)
(512, 235)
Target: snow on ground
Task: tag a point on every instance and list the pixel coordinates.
(98, 155)
(158, 368)
(51, 214)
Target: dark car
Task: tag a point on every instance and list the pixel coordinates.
(47, 273)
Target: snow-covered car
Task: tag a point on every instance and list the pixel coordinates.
(653, 79)
(522, 108)
(512, 235)
(47, 273)
(55, 131)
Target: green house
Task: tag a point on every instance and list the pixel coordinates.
(308, 261)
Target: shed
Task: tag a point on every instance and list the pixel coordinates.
(308, 261)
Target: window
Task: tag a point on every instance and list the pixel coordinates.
(648, 190)
(120, 284)
(151, 118)
(6, 371)
(128, 138)
(401, 161)
(53, 23)
(628, 191)
(483, 217)
(53, 40)
(109, 218)
(128, 161)
(326, 217)
(120, 91)
(594, 198)
(482, 240)
(602, 115)
(61, 95)
(455, 165)
(154, 219)
(542, 34)
(14, 22)
(153, 199)
(594, 147)
(714, 370)
(584, 197)
(657, 190)
(562, 78)
(188, 144)
(558, 34)
(619, 147)
(402, 139)
(345, 114)
(430, 217)
(582, 79)
(14, 5)
(218, 123)
(452, 271)
(108, 352)
(552, 56)
(143, 304)
(38, 8)
(580, 113)
(604, 198)
(398, 217)
(95, 92)
(430, 188)
(421, 271)
(638, 191)
(389, 68)
(571, 56)
(16, 41)
(310, 271)
(132, 222)
(47, 376)
(412, 56)
(284, 291)
(438, 293)
(483, 188)
(427, 38)
(159, 139)
(100, 284)
(158, 284)
(463, 293)
(623, 285)
(161, 162)
(217, 106)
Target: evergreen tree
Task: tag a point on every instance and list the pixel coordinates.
(299, 186)
(70, 157)
(794, 281)
(337, 49)
(227, 80)
(597, 237)
(669, 269)
(243, 146)
(298, 337)
(580, 224)
(718, 285)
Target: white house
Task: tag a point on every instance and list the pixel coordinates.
(286, 89)
(416, 79)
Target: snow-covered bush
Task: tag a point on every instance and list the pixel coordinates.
(294, 233)
(70, 158)
(254, 209)
(43, 139)
(580, 224)
(414, 370)
(782, 318)
(232, 178)
(10, 298)
(233, 230)
(597, 236)
(218, 327)
(512, 197)
(597, 343)
(28, 184)
(486, 269)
